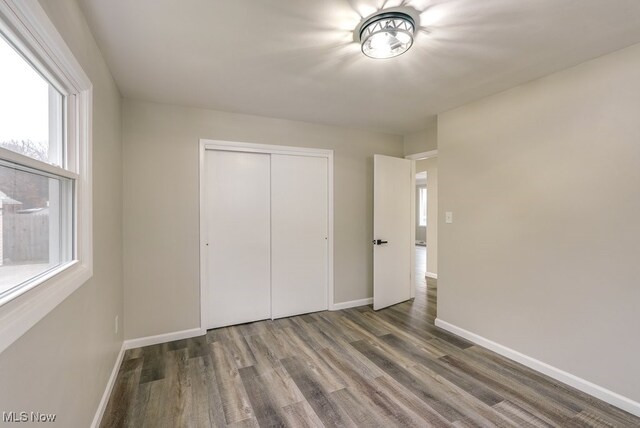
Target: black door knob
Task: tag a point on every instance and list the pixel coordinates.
(379, 242)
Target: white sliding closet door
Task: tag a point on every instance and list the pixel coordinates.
(299, 224)
(237, 210)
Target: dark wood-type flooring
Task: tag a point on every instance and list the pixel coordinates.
(354, 367)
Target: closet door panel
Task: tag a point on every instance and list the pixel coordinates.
(237, 198)
(299, 259)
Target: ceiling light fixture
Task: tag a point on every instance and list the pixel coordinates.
(387, 34)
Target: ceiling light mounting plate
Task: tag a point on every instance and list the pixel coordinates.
(386, 34)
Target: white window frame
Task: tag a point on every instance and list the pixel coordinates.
(26, 25)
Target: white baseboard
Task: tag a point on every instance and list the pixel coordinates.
(583, 385)
(107, 391)
(137, 343)
(351, 304)
(162, 338)
(431, 275)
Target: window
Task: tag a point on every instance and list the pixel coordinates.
(30, 109)
(45, 164)
(422, 192)
(35, 206)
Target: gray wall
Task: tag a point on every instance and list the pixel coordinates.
(544, 184)
(63, 363)
(161, 204)
(421, 141)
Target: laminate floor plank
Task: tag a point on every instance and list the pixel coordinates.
(390, 352)
(514, 391)
(139, 409)
(365, 394)
(118, 412)
(336, 320)
(301, 415)
(266, 359)
(469, 405)
(358, 318)
(178, 381)
(358, 411)
(402, 334)
(417, 355)
(273, 375)
(200, 415)
(324, 374)
(237, 345)
(154, 411)
(426, 392)
(355, 367)
(312, 333)
(557, 391)
(245, 423)
(406, 399)
(520, 416)
(360, 365)
(318, 398)
(153, 363)
(235, 403)
(586, 419)
(213, 397)
(267, 413)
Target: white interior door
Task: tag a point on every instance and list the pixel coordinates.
(299, 223)
(392, 225)
(238, 256)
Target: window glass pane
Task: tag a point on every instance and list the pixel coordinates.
(34, 237)
(30, 109)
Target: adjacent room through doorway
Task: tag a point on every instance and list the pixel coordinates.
(420, 264)
(426, 219)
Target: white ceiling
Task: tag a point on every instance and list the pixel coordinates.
(296, 59)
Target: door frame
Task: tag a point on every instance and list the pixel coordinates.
(231, 146)
(413, 158)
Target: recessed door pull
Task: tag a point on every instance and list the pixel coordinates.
(379, 242)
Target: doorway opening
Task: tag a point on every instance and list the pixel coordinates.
(420, 259)
(425, 214)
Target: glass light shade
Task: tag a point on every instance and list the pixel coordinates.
(387, 35)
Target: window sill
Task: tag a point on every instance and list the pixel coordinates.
(20, 312)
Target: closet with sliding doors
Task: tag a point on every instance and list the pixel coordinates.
(265, 224)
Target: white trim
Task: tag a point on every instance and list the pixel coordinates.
(163, 338)
(431, 275)
(131, 344)
(17, 160)
(204, 293)
(583, 385)
(351, 304)
(233, 146)
(38, 280)
(27, 26)
(23, 312)
(330, 230)
(206, 144)
(97, 419)
(44, 43)
(423, 155)
(412, 240)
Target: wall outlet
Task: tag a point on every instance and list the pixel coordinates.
(448, 217)
(116, 329)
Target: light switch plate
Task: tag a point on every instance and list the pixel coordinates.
(448, 217)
